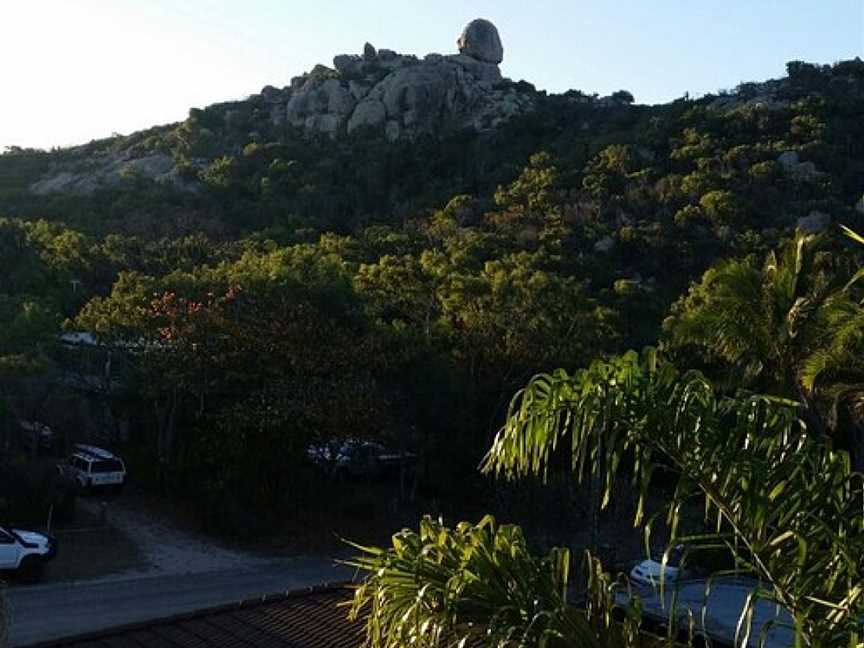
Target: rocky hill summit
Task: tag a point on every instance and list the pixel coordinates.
(380, 98)
(403, 96)
(380, 92)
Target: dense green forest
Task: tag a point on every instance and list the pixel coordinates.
(290, 288)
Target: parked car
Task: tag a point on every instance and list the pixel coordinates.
(38, 434)
(648, 572)
(25, 552)
(94, 468)
(357, 458)
(715, 606)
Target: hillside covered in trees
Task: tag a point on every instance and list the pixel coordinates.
(260, 286)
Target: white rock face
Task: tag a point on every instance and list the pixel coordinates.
(480, 40)
(788, 159)
(111, 172)
(797, 170)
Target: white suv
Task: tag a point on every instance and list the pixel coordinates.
(25, 552)
(93, 468)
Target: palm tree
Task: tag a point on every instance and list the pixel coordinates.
(766, 321)
(786, 506)
(834, 372)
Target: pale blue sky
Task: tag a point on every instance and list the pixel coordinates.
(74, 70)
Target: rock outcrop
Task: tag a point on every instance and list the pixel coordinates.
(797, 170)
(814, 222)
(605, 245)
(111, 172)
(402, 96)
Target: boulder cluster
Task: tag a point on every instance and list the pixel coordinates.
(402, 96)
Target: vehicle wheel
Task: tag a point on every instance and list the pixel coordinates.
(30, 570)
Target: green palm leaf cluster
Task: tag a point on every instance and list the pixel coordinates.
(834, 372)
(766, 320)
(787, 507)
(473, 585)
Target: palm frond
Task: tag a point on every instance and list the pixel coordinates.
(789, 507)
(852, 235)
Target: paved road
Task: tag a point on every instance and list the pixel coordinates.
(44, 612)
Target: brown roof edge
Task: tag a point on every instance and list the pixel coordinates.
(267, 599)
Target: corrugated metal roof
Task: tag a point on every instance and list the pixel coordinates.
(304, 619)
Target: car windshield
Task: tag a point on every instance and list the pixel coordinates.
(108, 465)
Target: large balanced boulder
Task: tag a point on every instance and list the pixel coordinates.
(480, 40)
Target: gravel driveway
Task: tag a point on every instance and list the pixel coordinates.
(169, 550)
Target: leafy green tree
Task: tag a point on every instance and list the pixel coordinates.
(623, 96)
(400, 292)
(692, 145)
(607, 174)
(220, 173)
(38, 262)
(530, 208)
(721, 207)
(244, 364)
(515, 315)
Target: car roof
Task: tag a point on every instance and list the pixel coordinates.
(34, 426)
(92, 452)
(724, 602)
